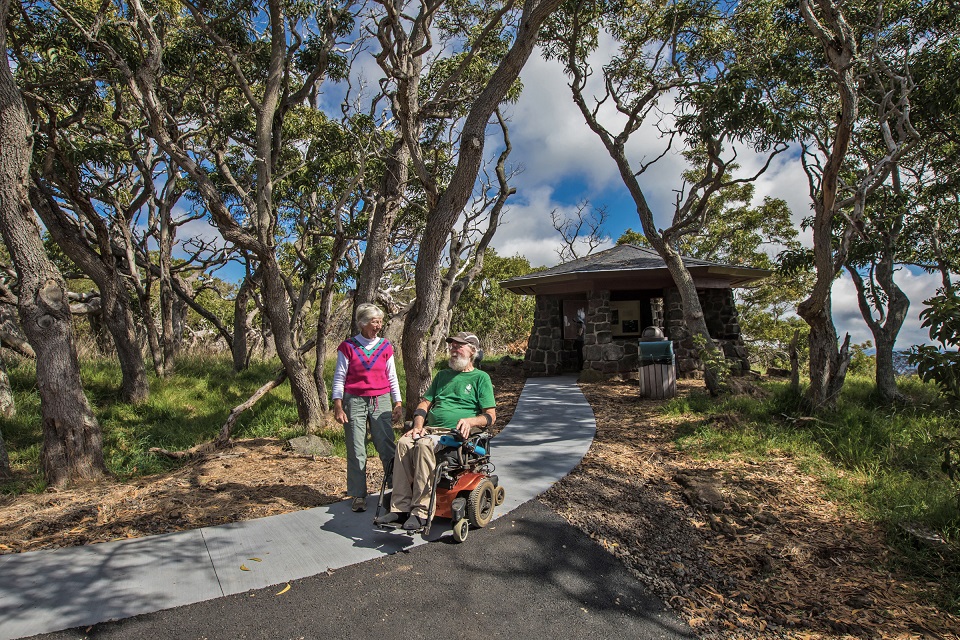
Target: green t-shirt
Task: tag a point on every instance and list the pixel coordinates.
(454, 395)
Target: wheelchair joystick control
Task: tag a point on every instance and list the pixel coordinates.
(474, 448)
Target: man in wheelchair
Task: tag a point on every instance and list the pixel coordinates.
(459, 399)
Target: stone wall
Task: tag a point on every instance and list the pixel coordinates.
(722, 318)
(549, 354)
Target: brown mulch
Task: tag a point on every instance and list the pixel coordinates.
(738, 548)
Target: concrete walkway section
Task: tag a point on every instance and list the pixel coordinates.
(44, 591)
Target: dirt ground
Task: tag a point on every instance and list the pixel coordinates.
(739, 548)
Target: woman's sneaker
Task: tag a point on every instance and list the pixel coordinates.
(359, 504)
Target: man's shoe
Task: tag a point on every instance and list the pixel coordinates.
(359, 504)
(414, 522)
(389, 517)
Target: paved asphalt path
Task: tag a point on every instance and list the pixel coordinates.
(529, 574)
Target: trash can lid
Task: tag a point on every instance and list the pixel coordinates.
(651, 333)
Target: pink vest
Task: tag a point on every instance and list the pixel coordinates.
(366, 370)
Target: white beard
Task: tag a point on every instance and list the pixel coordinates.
(459, 363)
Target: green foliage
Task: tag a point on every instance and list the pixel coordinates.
(860, 363)
(942, 317)
(498, 317)
(886, 463)
(714, 360)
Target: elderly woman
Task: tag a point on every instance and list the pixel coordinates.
(364, 382)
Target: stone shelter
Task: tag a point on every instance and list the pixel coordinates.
(590, 313)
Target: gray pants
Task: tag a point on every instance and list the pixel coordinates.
(378, 409)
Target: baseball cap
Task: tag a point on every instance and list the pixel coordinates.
(465, 337)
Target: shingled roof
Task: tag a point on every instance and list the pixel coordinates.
(627, 266)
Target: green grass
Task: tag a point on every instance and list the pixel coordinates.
(183, 410)
(881, 462)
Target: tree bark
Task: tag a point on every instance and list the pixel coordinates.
(5, 471)
(305, 393)
(828, 365)
(72, 442)
(795, 362)
(241, 323)
(379, 237)
(8, 408)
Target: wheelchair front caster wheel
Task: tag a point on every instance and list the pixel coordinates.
(499, 496)
(460, 530)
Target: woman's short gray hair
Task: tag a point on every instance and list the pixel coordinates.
(367, 312)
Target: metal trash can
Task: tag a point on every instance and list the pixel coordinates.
(658, 372)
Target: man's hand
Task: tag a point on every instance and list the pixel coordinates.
(463, 426)
(418, 432)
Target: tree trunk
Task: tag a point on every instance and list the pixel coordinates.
(337, 252)
(8, 408)
(795, 362)
(118, 317)
(72, 442)
(440, 220)
(102, 269)
(302, 385)
(379, 238)
(885, 330)
(169, 339)
(241, 324)
(153, 335)
(5, 471)
(828, 365)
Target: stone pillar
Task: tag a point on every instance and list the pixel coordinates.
(723, 322)
(543, 348)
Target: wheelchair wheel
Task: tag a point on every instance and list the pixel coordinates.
(460, 529)
(501, 494)
(480, 503)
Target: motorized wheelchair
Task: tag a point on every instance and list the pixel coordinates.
(464, 488)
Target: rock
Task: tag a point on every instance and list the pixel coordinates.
(700, 494)
(311, 446)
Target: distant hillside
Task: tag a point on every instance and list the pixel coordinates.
(900, 364)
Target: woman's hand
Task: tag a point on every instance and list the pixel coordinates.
(338, 413)
(397, 412)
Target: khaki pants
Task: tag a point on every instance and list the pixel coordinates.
(413, 475)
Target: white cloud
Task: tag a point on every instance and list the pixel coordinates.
(528, 230)
(549, 135)
(848, 319)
